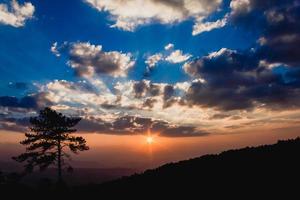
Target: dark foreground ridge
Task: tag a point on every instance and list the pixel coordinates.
(267, 171)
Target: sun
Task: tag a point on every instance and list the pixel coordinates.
(149, 140)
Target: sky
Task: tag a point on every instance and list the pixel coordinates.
(200, 76)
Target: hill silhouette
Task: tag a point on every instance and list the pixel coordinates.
(253, 172)
(267, 171)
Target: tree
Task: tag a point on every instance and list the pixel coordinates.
(50, 135)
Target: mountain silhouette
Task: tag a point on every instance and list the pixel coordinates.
(264, 172)
(267, 170)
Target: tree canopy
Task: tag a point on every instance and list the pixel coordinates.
(47, 140)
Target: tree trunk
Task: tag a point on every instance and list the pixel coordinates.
(59, 161)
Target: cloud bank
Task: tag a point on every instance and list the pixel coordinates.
(127, 15)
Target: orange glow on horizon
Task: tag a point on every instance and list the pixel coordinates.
(133, 151)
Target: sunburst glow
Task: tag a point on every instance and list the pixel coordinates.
(149, 140)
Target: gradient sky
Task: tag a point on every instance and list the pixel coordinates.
(201, 75)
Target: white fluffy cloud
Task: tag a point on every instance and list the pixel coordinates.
(177, 56)
(201, 27)
(88, 60)
(129, 14)
(16, 14)
(77, 94)
(169, 46)
(240, 6)
(169, 55)
(154, 59)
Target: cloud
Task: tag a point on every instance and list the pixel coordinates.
(177, 56)
(173, 57)
(153, 60)
(169, 46)
(278, 23)
(261, 77)
(14, 124)
(127, 14)
(84, 93)
(149, 103)
(82, 86)
(237, 81)
(144, 88)
(120, 125)
(220, 62)
(34, 101)
(168, 96)
(154, 93)
(15, 112)
(145, 94)
(89, 60)
(200, 27)
(183, 86)
(138, 125)
(135, 97)
(16, 14)
(220, 116)
(140, 88)
(240, 7)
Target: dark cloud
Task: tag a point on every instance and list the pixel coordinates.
(168, 92)
(122, 125)
(235, 117)
(119, 107)
(24, 102)
(224, 61)
(14, 124)
(169, 96)
(15, 109)
(144, 88)
(154, 89)
(140, 88)
(237, 80)
(149, 103)
(92, 125)
(8, 101)
(220, 116)
(221, 98)
(35, 101)
(138, 125)
(233, 127)
(183, 131)
(281, 40)
(278, 23)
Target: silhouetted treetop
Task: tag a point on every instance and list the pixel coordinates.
(49, 135)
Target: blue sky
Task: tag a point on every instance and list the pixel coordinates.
(228, 65)
(26, 57)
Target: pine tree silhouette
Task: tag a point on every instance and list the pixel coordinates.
(50, 134)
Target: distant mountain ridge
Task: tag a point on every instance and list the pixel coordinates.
(264, 170)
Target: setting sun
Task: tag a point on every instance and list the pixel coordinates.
(149, 140)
